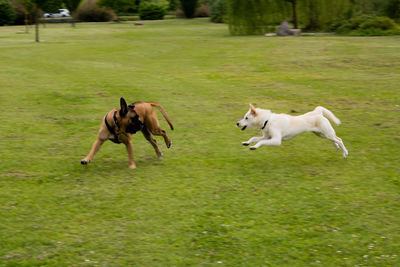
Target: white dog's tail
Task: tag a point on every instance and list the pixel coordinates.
(328, 114)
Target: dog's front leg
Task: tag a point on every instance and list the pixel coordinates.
(129, 148)
(275, 140)
(269, 142)
(95, 147)
(255, 139)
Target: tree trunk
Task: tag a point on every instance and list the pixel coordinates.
(37, 30)
(37, 20)
(294, 14)
(26, 20)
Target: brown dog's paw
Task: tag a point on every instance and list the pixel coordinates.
(132, 166)
(169, 144)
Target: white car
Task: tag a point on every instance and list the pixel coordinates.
(61, 13)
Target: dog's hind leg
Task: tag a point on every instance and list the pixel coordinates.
(322, 136)
(339, 142)
(160, 132)
(327, 131)
(153, 126)
(151, 140)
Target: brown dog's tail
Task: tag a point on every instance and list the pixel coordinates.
(154, 104)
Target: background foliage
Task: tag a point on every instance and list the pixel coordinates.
(251, 17)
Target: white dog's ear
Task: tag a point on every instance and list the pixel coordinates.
(253, 110)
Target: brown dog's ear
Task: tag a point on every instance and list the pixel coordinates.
(124, 107)
(253, 110)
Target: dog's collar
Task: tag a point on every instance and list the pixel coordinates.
(111, 129)
(265, 124)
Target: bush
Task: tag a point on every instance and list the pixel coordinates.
(7, 13)
(151, 11)
(179, 14)
(366, 25)
(383, 23)
(90, 11)
(218, 11)
(203, 11)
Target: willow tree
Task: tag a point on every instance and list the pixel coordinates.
(254, 16)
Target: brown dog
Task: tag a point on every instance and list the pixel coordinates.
(120, 123)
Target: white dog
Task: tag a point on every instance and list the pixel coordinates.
(278, 127)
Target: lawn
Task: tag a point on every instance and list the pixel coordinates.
(210, 201)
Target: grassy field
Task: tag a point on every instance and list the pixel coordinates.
(209, 201)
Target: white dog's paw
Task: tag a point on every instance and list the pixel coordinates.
(253, 148)
(245, 143)
(336, 146)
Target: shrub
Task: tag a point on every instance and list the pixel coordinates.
(179, 14)
(7, 13)
(383, 23)
(203, 11)
(151, 11)
(366, 25)
(218, 11)
(90, 11)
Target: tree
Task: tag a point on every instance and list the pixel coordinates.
(189, 8)
(72, 6)
(294, 12)
(40, 5)
(28, 8)
(392, 9)
(7, 13)
(118, 6)
(318, 14)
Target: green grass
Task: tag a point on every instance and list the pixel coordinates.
(209, 201)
